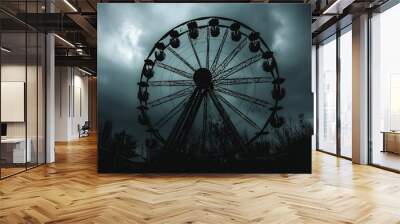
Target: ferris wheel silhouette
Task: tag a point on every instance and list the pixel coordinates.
(204, 71)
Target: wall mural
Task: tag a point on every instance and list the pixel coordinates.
(204, 88)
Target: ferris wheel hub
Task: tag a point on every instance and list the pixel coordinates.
(203, 78)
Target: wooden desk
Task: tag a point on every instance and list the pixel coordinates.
(391, 141)
(13, 150)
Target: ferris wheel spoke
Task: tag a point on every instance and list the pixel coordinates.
(218, 54)
(262, 132)
(240, 66)
(205, 120)
(178, 136)
(238, 112)
(181, 58)
(174, 70)
(170, 97)
(172, 83)
(170, 114)
(232, 132)
(194, 50)
(244, 80)
(208, 49)
(242, 96)
(228, 59)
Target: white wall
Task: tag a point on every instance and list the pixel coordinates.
(12, 73)
(71, 102)
(17, 73)
(33, 127)
(62, 82)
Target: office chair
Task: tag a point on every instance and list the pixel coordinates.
(84, 130)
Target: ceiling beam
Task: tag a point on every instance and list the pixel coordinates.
(337, 6)
(82, 61)
(85, 25)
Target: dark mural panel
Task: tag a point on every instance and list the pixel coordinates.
(204, 88)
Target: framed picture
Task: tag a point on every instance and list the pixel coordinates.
(203, 87)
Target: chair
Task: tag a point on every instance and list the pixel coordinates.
(84, 130)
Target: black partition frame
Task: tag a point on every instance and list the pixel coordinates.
(43, 55)
(336, 35)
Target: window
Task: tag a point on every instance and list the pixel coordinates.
(327, 96)
(385, 88)
(346, 92)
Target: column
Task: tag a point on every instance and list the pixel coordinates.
(360, 90)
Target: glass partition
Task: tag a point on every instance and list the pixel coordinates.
(327, 95)
(385, 89)
(31, 100)
(346, 93)
(22, 78)
(41, 97)
(13, 105)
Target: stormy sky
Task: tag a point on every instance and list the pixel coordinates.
(128, 32)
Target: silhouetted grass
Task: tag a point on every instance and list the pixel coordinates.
(284, 149)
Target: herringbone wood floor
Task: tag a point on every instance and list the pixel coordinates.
(71, 191)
